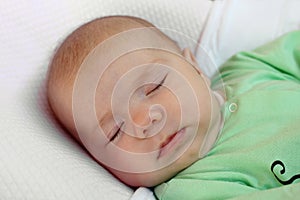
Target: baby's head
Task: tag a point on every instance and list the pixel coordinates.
(132, 98)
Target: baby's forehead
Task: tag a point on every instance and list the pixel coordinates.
(114, 58)
(137, 64)
(136, 69)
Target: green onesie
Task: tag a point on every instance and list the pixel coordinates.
(259, 145)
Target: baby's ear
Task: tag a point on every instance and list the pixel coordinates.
(189, 56)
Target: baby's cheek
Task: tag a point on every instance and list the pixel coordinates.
(135, 145)
(170, 102)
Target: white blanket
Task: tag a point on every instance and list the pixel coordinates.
(235, 25)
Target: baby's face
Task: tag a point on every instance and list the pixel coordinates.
(153, 110)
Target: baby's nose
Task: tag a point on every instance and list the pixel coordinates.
(155, 121)
(156, 113)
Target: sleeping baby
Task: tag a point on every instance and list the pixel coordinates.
(145, 111)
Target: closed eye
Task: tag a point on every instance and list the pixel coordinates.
(117, 132)
(157, 86)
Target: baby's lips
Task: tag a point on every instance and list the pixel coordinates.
(170, 141)
(169, 138)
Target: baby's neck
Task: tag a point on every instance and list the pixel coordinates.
(216, 125)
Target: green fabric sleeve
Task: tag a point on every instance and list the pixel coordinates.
(277, 60)
(287, 192)
(263, 130)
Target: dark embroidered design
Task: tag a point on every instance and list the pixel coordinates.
(291, 180)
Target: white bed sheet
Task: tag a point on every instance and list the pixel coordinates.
(235, 25)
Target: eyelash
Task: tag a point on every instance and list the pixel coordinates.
(117, 133)
(158, 86)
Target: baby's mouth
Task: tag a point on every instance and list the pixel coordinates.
(170, 142)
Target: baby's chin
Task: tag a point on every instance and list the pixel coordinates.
(154, 178)
(148, 179)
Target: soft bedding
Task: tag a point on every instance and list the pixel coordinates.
(234, 26)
